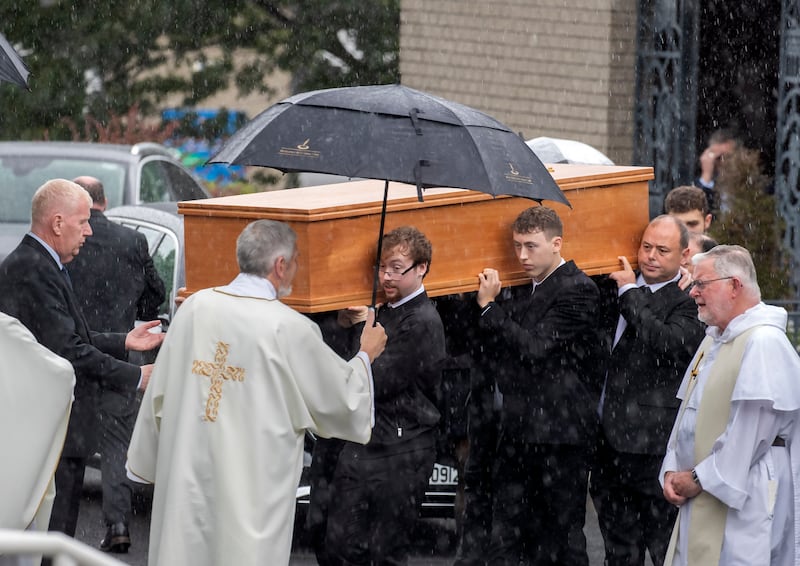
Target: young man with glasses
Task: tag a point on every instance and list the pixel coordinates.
(731, 465)
(376, 489)
(657, 332)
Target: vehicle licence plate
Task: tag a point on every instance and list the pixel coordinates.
(443, 475)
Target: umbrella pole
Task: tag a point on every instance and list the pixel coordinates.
(380, 242)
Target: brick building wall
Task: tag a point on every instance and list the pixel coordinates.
(543, 67)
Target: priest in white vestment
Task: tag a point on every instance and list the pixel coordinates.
(35, 400)
(731, 463)
(239, 379)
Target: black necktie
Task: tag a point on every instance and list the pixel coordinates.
(65, 275)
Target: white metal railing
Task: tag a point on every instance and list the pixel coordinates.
(64, 550)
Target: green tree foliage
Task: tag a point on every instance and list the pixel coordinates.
(99, 58)
(748, 218)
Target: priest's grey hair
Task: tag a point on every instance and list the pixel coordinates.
(732, 261)
(261, 243)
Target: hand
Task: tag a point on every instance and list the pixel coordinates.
(146, 373)
(708, 164)
(683, 485)
(626, 276)
(669, 491)
(373, 338)
(179, 298)
(351, 316)
(489, 286)
(141, 339)
(711, 158)
(685, 280)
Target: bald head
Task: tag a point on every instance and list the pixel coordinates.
(60, 216)
(95, 189)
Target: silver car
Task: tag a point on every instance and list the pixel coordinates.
(131, 174)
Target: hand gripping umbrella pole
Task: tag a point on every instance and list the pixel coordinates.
(418, 179)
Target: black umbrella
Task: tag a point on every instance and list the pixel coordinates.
(393, 133)
(12, 67)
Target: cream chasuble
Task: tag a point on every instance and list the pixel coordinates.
(35, 401)
(238, 380)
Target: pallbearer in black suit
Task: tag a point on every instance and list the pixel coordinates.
(376, 490)
(116, 283)
(653, 333)
(36, 290)
(541, 347)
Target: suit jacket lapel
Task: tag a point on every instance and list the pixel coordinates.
(534, 305)
(72, 302)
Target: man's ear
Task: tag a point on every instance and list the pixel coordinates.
(707, 222)
(557, 243)
(280, 267)
(685, 256)
(56, 223)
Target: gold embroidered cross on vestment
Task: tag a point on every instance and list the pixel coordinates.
(218, 372)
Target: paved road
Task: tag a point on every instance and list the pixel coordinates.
(435, 539)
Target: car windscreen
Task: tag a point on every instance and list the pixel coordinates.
(21, 175)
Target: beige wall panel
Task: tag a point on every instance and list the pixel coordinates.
(541, 67)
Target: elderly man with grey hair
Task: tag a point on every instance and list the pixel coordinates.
(731, 464)
(240, 378)
(35, 288)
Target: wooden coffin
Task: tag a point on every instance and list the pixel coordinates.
(337, 228)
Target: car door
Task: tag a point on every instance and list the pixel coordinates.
(165, 249)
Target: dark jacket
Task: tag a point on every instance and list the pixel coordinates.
(114, 277)
(647, 365)
(408, 372)
(544, 352)
(33, 291)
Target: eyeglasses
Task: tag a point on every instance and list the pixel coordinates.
(393, 273)
(700, 285)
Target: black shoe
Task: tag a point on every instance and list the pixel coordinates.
(117, 539)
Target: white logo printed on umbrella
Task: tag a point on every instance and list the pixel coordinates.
(300, 150)
(514, 176)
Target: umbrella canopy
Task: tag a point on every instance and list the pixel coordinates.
(557, 150)
(12, 67)
(393, 133)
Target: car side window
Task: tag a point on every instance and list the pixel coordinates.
(163, 181)
(164, 249)
(182, 185)
(155, 182)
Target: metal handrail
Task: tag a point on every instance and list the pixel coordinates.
(64, 550)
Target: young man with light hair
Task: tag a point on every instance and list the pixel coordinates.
(541, 345)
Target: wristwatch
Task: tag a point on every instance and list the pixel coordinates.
(695, 480)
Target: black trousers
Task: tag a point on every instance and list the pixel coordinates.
(69, 490)
(117, 417)
(375, 499)
(634, 517)
(476, 522)
(539, 504)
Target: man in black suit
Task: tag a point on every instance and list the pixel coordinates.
(116, 283)
(376, 489)
(36, 289)
(657, 333)
(541, 347)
